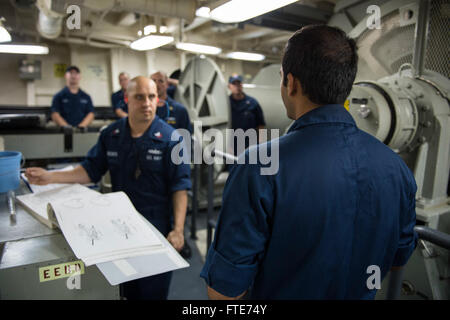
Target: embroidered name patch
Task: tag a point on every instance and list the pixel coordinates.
(154, 151)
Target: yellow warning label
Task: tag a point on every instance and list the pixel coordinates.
(59, 69)
(59, 271)
(347, 104)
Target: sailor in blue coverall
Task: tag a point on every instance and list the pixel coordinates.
(171, 111)
(72, 106)
(246, 113)
(119, 105)
(176, 115)
(340, 202)
(137, 152)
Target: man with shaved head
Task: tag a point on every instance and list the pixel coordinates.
(136, 150)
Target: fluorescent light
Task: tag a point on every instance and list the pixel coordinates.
(198, 48)
(4, 35)
(203, 12)
(152, 29)
(241, 10)
(23, 49)
(150, 42)
(246, 56)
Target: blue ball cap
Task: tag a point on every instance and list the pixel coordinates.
(234, 78)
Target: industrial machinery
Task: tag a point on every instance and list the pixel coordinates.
(27, 129)
(400, 96)
(203, 90)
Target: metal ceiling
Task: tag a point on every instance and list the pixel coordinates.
(111, 22)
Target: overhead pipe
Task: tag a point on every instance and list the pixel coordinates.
(49, 24)
(86, 42)
(184, 9)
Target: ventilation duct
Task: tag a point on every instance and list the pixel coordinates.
(49, 24)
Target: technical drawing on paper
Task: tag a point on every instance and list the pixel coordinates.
(91, 233)
(122, 227)
(59, 193)
(101, 201)
(75, 203)
(103, 225)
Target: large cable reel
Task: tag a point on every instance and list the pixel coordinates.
(410, 115)
(203, 90)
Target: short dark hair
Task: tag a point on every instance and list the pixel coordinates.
(324, 60)
(70, 68)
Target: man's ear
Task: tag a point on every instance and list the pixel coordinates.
(292, 85)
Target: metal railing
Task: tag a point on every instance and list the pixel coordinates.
(211, 223)
(194, 197)
(436, 237)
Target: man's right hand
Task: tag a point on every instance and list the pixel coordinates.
(38, 176)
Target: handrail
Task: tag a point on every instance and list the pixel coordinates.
(211, 223)
(436, 237)
(425, 233)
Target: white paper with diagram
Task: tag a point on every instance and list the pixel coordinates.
(36, 203)
(101, 227)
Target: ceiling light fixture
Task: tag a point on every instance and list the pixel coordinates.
(248, 56)
(198, 48)
(150, 42)
(152, 29)
(241, 10)
(4, 34)
(23, 49)
(203, 12)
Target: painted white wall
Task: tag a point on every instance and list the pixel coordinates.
(12, 89)
(126, 60)
(51, 82)
(164, 60)
(94, 64)
(100, 69)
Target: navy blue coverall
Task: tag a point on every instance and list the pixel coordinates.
(142, 168)
(341, 202)
(118, 101)
(72, 107)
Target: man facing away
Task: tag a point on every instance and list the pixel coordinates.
(341, 203)
(137, 152)
(72, 106)
(119, 105)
